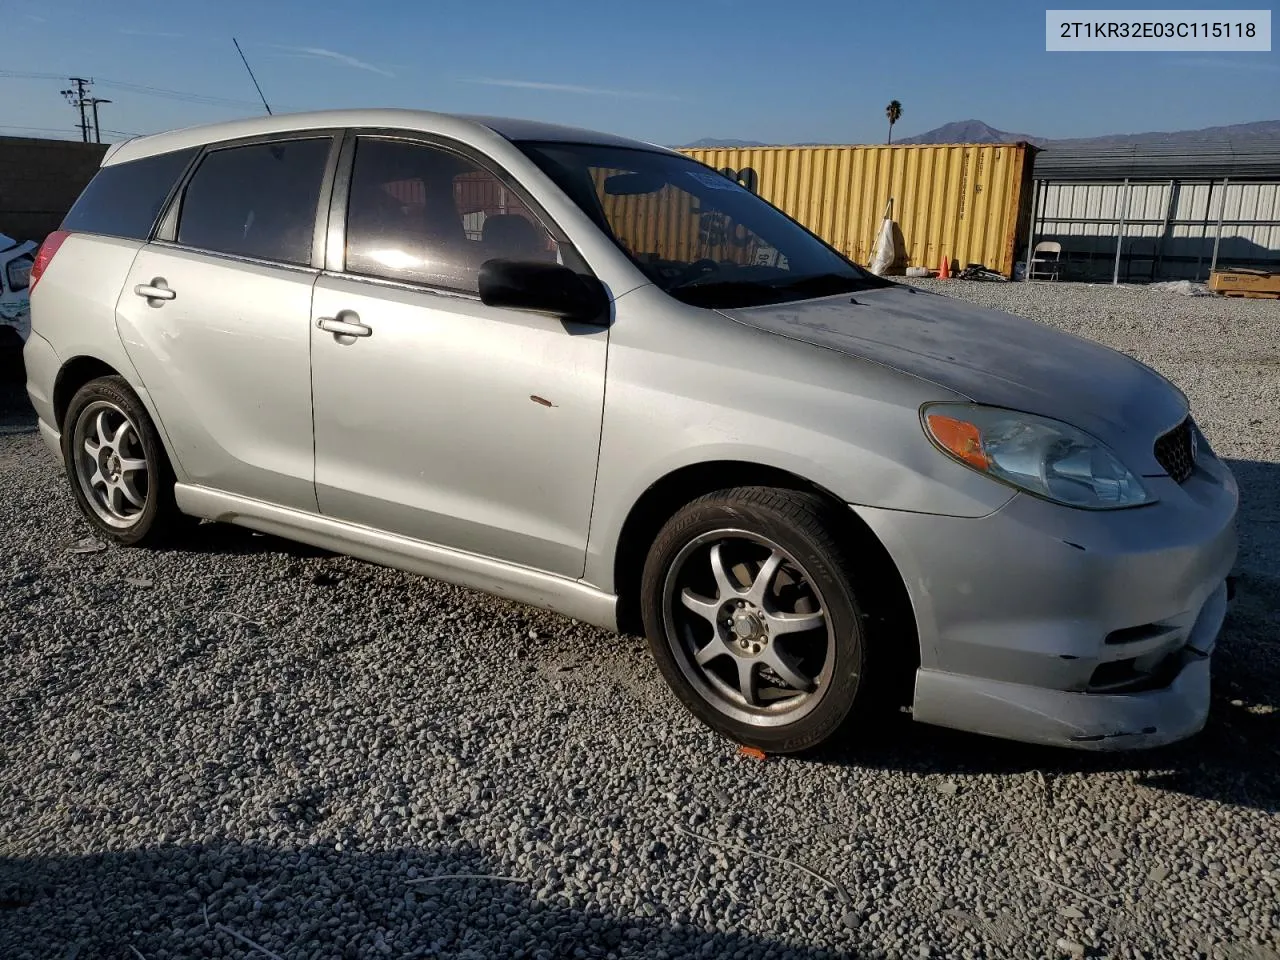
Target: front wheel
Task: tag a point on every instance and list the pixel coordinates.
(750, 612)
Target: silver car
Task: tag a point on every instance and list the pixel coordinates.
(593, 375)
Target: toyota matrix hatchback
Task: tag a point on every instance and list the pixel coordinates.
(593, 375)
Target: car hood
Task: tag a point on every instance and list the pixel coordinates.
(993, 358)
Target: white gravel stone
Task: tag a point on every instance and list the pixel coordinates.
(276, 745)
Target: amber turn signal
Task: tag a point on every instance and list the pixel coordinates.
(961, 438)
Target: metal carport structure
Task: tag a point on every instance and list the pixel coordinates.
(1138, 212)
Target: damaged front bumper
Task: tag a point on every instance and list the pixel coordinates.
(1134, 720)
(1081, 629)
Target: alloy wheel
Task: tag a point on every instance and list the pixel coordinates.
(748, 627)
(110, 464)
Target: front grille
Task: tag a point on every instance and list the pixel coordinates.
(1175, 451)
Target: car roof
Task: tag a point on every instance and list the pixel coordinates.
(445, 124)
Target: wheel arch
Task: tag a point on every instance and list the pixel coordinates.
(81, 369)
(890, 604)
(74, 374)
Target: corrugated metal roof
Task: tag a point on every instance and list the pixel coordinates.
(1200, 159)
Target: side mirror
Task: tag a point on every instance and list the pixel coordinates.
(543, 288)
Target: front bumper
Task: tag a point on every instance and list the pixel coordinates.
(1057, 626)
(1091, 721)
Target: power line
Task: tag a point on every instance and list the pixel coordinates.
(64, 131)
(30, 76)
(87, 105)
(144, 89)
(41, 129)
(175, 94)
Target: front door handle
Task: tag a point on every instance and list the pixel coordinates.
(345, 324)
(158, 289)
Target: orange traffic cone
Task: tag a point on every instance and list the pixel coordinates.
(944, 271)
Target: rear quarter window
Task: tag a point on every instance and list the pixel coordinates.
(124, 199)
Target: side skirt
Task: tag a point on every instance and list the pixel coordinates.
(509, 581)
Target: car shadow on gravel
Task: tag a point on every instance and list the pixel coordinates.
(226, 539)
(15, 408)
(12, 370)
(1235, 759)
(221, 898)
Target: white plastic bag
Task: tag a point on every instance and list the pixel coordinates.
(886, 254)
(1183, 288)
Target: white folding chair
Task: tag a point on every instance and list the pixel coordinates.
(1046, 261)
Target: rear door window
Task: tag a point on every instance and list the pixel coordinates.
(420, 214)
(124, 199)
(257, 200)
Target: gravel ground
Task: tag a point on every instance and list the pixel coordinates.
(249, 742)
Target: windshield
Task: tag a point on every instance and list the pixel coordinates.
(698, 235)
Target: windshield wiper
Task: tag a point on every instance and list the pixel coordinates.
(724, 293)
(826, 284)
(708, 291)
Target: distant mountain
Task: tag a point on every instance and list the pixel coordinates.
(707, 143)
(970, 131)
(975, 131)
(1258, 130)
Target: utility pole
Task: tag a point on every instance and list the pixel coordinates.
(97, 135)
(78, 99)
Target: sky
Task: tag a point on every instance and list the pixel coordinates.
(666, 71)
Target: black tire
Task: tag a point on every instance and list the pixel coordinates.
(804, 529)
(158, 520)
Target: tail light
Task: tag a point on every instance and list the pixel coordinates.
(44, 256)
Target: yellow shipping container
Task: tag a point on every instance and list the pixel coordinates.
(967, 202)
(666, 224)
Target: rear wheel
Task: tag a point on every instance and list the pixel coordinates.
(751, 614)
(119, 473)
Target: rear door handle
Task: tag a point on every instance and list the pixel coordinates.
(345, 324)
(157, 289)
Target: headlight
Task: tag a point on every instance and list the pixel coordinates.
(1044, 457)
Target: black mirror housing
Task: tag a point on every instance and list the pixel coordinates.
(543, 287)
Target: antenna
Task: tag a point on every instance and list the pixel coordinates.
(251, 76)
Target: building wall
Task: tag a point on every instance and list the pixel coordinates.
(1169, 230)
(964, 202)
(40, 180)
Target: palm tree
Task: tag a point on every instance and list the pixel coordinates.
(894, 112)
